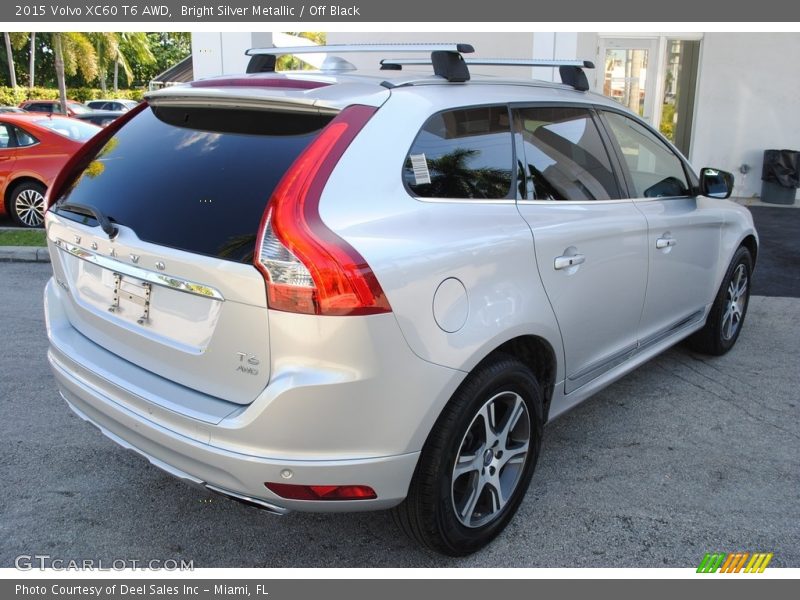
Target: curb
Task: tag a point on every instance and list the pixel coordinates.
(24, 254)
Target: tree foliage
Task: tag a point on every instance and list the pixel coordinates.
(90, 58)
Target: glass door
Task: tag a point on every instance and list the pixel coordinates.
(680, 84)
(627, 73)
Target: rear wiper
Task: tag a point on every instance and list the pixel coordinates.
(91, 211)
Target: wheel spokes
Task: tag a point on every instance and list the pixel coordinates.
(491, 459)
(735, 305)
(29, 206)
(467, 464)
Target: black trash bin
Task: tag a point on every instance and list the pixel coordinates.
(780, 176)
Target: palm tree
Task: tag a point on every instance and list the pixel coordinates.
(32, 64)
(12, 74)
(133, 47)
(120, 50)
(73, 52)
(452, 177)
(106, 46)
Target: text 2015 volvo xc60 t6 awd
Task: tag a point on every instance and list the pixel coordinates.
(342, 291)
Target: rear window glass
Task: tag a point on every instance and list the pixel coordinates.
(77, 108)
(196, 179)
(69, 128)
(462, 154)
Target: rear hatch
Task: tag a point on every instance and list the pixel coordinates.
(175, 291)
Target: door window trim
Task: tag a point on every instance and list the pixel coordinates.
(613, 158)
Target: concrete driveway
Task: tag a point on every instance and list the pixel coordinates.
(684, 456)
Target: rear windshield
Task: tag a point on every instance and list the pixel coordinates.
(196, 179)
(69, 128)
(78, 109)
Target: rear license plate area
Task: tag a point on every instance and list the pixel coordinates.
(131, 297)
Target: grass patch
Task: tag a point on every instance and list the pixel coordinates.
(23, 237)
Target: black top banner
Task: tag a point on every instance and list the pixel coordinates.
(393, 11)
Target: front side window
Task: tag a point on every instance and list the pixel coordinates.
(655, 170)
(462, 154)
(563, 155)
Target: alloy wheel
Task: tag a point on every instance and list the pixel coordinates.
(735, 301)
(491, 459)
(29, 206)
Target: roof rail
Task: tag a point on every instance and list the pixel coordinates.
(571, 71)
(445, 58)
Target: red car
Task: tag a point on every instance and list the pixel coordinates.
(54, 106)
(33, 148)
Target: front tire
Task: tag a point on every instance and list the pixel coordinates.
(478, 461)
(27, 204)
(724, 322)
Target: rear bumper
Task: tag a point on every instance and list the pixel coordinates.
(229, 473)
(194, 448)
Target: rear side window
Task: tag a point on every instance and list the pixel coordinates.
(6, 140)
(563, 155)
(462, 154)
(196, 179)
(14, 137)
(655, 170)
(24, 138)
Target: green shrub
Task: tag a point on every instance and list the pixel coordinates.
(11, 97)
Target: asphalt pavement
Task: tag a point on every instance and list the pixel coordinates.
(684, 456)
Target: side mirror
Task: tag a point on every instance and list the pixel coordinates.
(715, 183)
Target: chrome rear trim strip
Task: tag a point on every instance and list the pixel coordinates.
(161, 279)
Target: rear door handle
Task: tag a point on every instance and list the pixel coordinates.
(665, 242)
(565, 262)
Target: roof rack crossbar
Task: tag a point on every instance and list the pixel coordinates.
(446, 58)
(571, 71)
(382, 48)
(499, 62)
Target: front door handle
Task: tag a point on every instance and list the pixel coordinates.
(565, 262)
(665, 242)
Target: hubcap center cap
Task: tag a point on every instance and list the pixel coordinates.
(488, 457)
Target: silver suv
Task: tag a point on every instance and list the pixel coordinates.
(335, 291)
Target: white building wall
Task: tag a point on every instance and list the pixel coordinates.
(215, 53)
(748, 99)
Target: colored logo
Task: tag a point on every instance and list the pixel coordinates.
(735, 562)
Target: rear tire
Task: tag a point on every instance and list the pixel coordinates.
(26, 204)
(724, 322)
(478, 461)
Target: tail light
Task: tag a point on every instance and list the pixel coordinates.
(322, 492)
(308, 268)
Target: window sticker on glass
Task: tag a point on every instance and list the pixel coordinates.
(419, 164)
